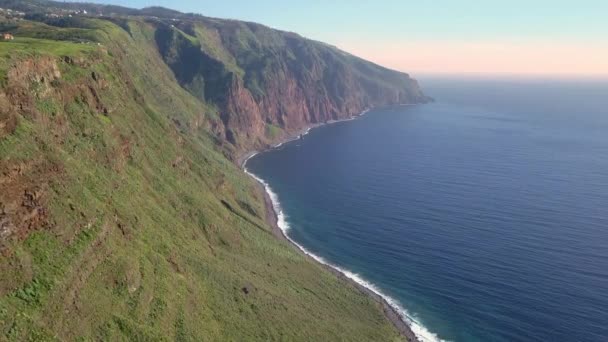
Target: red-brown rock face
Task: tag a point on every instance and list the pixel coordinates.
(263, 80)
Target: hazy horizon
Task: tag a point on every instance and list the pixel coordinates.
(548, 38)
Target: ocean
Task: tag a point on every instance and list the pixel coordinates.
(482, 216)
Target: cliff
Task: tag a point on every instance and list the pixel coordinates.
(267, 83)
(263, 83)
(122, 215)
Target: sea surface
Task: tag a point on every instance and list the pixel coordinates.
(483, 216)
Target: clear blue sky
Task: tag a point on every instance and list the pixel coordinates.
(382, 29)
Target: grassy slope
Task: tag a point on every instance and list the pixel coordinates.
(256, 48)
(153, 233)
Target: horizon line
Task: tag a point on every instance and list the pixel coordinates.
(520, 75)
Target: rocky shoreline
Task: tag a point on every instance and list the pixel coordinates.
(272, 218)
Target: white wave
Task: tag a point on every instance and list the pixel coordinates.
(421, 332)
(308, 129)
(293, 138)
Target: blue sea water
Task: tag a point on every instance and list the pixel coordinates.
(484, 214)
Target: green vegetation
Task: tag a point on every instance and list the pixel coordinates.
(272, 131)
(127, 221)
(31, 46)
(211, 43)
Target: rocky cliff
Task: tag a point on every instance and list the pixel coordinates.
(263, 83)
(267, 83)
(122, 213)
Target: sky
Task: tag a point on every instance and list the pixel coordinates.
(517, 37)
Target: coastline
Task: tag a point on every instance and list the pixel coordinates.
(274, 216)
(390, 312)
(242, 159)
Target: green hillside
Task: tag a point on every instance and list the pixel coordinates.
(121, 217)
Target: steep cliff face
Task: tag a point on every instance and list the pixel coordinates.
(121, 217)
(268, 83)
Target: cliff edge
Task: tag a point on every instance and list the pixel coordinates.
(122, 213)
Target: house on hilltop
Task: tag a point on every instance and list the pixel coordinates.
(7, 36)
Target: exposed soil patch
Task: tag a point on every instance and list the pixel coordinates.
(24, 198)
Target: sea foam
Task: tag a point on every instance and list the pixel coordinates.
(421, 332)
